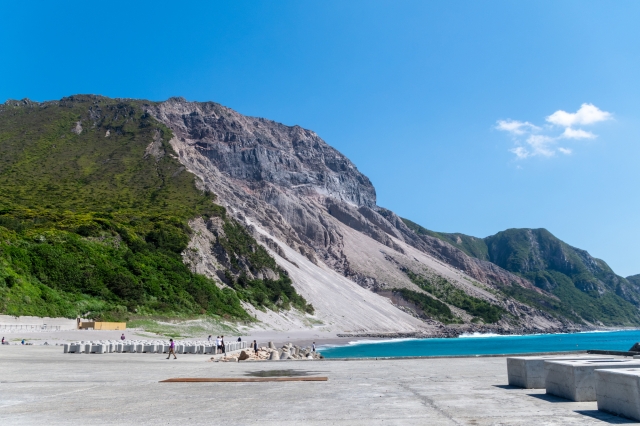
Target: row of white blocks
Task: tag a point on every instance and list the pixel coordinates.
(150, 348)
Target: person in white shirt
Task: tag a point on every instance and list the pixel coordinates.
(218, 344)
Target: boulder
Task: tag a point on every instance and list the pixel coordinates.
(243, 356)
(635, 348)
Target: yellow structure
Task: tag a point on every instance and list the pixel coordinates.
(103, 325)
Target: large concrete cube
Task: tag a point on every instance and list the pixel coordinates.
(149, 349)
(575, 380)
(97, 349)
(528, 371)
(618, 391)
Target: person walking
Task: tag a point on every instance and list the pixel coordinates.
(255, 347)
(209, 338)
(172, 349)
(218, 348)
(313, 346)
(224, 350)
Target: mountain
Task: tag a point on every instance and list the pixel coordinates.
(587, 287)
(634, 279)
(94, 211)
(294, 239)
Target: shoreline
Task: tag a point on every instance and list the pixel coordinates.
(300, 337)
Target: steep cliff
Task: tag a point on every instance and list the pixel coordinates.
(297, 192)
(295, 237)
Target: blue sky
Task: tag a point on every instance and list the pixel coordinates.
(423, 96)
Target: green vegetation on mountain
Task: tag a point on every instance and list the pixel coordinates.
(430, 307)
(94, 209)
(585, 287)
(634, 279)
(474, 247)
(448, 293)
(274, 294)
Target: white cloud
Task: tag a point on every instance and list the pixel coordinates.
(587, 114)
(531, 140)
(541, 145)
(570, 133)
(516, 127)
(520, 152)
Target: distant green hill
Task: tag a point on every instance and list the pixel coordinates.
(586, 286)
(634, 279)
(93, 219)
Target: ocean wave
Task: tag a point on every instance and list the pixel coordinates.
(476, 334)
(365, 342)
(370, 342)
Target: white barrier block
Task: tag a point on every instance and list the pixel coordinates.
(66, 348)
(618, 392)
(149, 349)
(528, 371)
(575, 380)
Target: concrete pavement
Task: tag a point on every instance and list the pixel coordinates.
(40, 384)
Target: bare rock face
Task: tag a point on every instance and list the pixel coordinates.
(293, 191)
(260, 152)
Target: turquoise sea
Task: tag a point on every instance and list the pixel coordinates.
(486, 344)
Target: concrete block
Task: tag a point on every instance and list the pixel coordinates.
(66, 348)
(618, 391)
(97, 349)
(139, 348)
(128, 348)
(528, 371)
(76, 348)
(149, 349)
(87, 348)
(575, 380)
(636, 357)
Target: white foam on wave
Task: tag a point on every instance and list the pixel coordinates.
(369, 342)
(476, 334)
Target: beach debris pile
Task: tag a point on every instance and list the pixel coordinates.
(288, 351)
